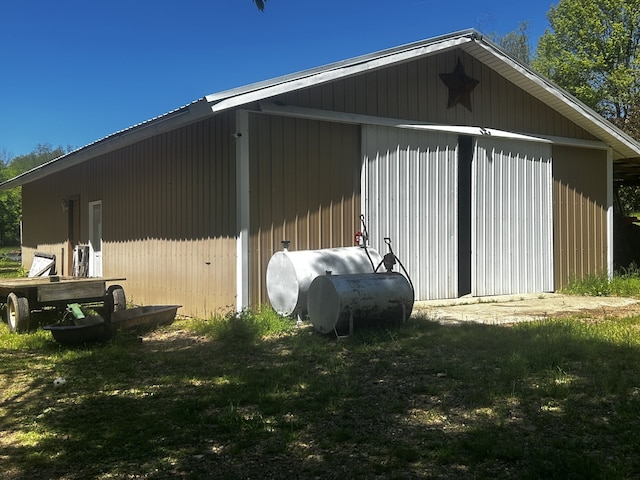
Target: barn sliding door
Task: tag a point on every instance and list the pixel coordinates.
(512, 222)
(409, 194)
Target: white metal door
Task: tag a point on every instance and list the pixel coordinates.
(95, 239)
(512, 220)
(409, 194)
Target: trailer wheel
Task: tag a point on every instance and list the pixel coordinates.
(115, 299)
(17, 313)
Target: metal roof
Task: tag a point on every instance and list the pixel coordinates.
(626, 150)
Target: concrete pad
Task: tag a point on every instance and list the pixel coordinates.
(517, 308)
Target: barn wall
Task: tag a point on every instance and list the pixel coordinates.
(168, 216)
(169, 202)
(580, 213)
(305, 187)
(45, 222)
(414, 91)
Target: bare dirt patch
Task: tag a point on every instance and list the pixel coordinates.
(519, 308)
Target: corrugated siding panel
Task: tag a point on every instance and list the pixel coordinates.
(580, 213)
(44, 219)
(305, 187)
(168, 216)
(414, 91)
(512, 205)
(410, 195)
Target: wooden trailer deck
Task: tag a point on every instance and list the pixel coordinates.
(24, 295)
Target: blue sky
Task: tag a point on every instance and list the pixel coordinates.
(74, 71)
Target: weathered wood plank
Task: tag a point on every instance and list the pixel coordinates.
(55, 288)
(56, 291)
(36, 281)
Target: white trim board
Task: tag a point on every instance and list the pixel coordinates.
(243, 212)
(357, 119)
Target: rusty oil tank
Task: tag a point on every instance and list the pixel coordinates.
(340, 303)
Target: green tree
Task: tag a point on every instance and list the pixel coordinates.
(11, 199)
(632, 122)
(10, 206)
(592, 50)
(516, 43)
(10, 211)
(43, 153)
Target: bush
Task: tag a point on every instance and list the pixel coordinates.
(593, 286)
(624, 283)
(247, 326)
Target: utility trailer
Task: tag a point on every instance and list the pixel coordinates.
(30, 294)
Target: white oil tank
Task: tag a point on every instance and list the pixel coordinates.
(289, 273)
(338, 303)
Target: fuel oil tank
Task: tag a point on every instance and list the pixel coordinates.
(289, 273)
(340, 303)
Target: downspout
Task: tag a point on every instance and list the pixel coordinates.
(610, 213)
(241, 136)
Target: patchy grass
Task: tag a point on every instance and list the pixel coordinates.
(253, 397)
(8, 267)
(625, 283)
(247, 327)
(594, 285)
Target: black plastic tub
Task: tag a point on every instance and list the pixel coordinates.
(95, 329)
(143, 318)
(80, 331)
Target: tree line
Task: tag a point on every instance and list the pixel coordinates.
(592, 50)
(11, 200)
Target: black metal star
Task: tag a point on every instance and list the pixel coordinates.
(460, 86)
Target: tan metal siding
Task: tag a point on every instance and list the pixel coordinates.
(414, 91)
(44, 225)
(305, 187)
(169, 215)
(580, 213)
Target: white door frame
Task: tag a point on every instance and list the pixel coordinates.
(95, 238)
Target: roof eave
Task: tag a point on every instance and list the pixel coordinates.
(180, 117)
(470, 40)
(215, 103)
(557, 98)
(339, 70)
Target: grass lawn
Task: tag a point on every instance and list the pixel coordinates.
(9, 268)
(255, 397)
